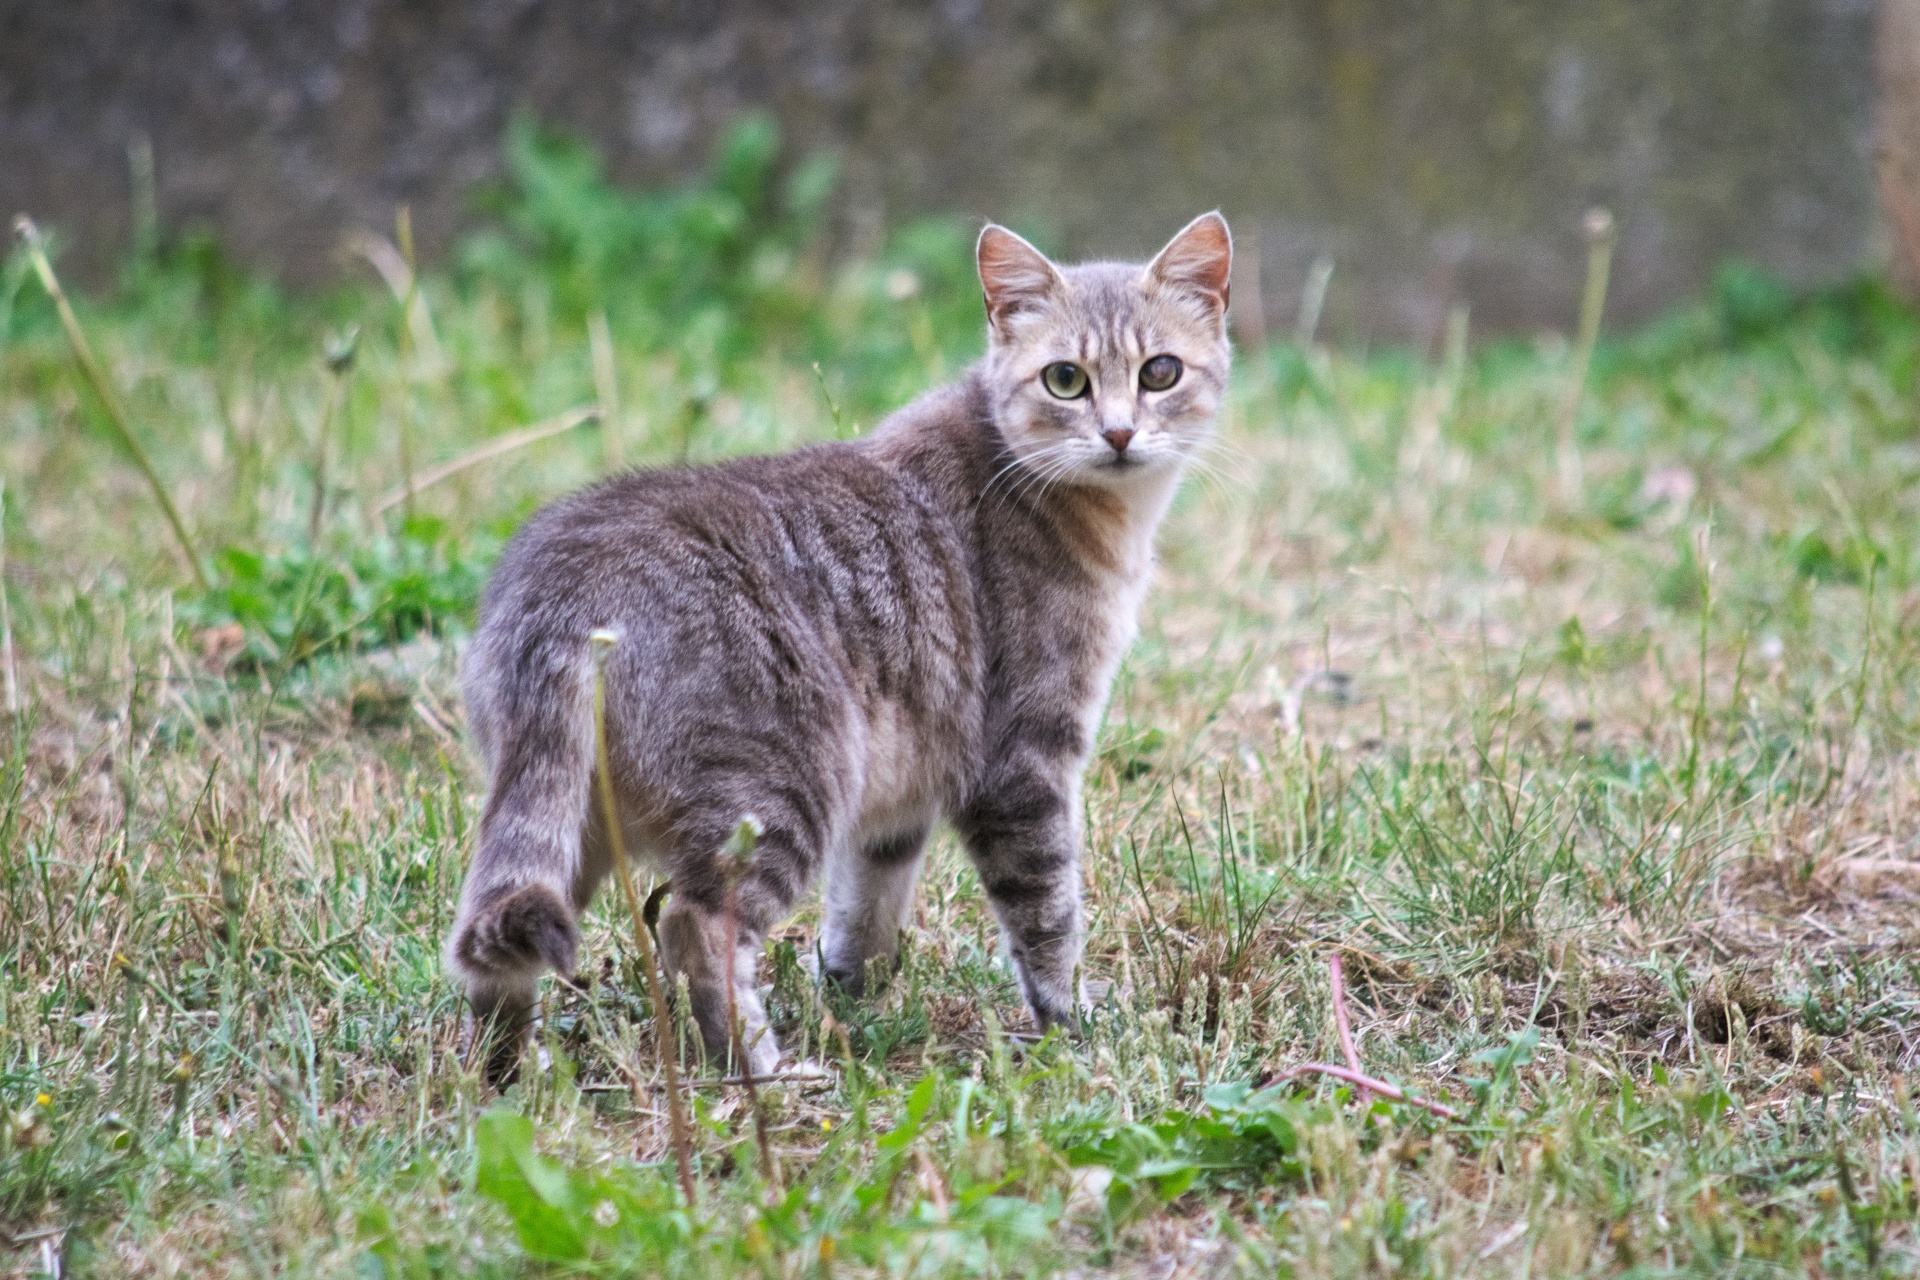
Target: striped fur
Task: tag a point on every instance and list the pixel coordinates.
(849, 642)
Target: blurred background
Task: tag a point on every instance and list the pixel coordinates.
(1439, 155)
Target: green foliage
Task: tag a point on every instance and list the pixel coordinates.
(725, 270)
(1749, 303)
(294, 603)
(1503, 1065)
(856, 1205)
(563, 1214)
(1747, 309)
(720, 262)
(1244, 1140)
(1480, 845)
(1815, 556)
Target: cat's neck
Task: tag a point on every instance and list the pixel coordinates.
(1111, 528)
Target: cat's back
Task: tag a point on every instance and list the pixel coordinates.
(858, 538)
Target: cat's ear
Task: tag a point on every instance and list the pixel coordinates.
(1199, 259)
(1015, 275)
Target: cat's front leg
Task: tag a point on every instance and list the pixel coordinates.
(869, 896)
(1023, 839)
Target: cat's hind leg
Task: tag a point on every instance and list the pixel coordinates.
(868, 897)
(695, 929)
(693, 943)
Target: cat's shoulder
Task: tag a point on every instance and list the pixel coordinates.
(959, 406)
(947, 426)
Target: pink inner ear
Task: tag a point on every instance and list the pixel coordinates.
(1200, 257)
(1012, 272)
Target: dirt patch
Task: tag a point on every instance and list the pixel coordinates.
(1625, 1003)
(1729, 999)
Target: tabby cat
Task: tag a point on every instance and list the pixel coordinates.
(848, 642)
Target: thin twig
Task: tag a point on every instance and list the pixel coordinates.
(1346, 1028)
(1393, 1093)
(603, 642)
(737, 860)
(403, 231)
(557, 425)
(7, 674)
(720, 1082)
(1312, 298)
(1600, 231)
(96, 375)
(393, 269)
(606, 385)
(833, 406)
(339, 357)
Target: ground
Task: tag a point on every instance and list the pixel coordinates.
(1578, 725)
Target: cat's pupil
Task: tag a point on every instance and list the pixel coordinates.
(1160, 373)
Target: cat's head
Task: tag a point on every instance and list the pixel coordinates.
(1107, 373)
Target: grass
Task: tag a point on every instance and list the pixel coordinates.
(1603, 796)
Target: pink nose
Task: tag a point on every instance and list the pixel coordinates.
(1118, 437)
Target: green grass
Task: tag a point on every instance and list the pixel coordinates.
(1603, 793)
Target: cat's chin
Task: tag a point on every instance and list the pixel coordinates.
(1127, 473)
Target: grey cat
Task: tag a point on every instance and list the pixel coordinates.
(848, 642)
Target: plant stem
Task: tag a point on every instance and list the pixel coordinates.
(12, 681)
(339, 354)
(1312, 298)
(557, 425)
(1347, 1049)
(1600, 231)
(603, 642)
(1393, 1093)
(37, 250)
(607, 388)
(403, 232)
(737, 860)
(833, 406)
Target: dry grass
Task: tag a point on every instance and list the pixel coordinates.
(1604, 798)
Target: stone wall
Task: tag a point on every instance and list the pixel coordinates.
(1441, 152)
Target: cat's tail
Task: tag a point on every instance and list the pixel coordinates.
(518, 907)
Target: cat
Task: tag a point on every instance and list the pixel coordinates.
(848, 642)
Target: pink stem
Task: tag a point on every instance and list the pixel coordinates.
(1346, 1029)
(1360, 1079)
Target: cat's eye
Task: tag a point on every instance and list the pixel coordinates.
(1160, 373)
(1067, 381)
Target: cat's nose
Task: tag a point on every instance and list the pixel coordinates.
(1118, 437)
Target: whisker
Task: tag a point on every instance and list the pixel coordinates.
(1058, 463)
(1016, 467)
(1054, 474)
(1231, 451)
(1034, 483)
(1224, 484)
(1202, 465)
(1215, 444)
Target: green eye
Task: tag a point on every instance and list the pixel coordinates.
(1067, 381)
(1160, 373)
